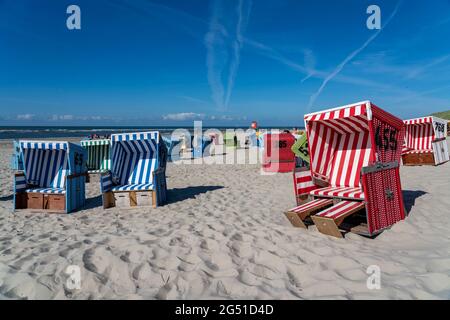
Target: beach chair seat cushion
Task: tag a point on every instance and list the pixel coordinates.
(340, 210)
(134, 187)
(340, 192)
(98, 171)
(308, 206)
(46, 190)
(417, 151)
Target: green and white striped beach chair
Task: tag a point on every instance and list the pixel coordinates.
(99, 154)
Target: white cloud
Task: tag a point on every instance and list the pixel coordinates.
(66, 117)
(27, 116)
(183, 116)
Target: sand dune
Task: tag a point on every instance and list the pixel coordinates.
(223, 236)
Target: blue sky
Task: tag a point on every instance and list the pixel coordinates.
(226, 62)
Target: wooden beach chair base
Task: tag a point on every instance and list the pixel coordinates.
(418, 158)
(129, 199)
(33, 201)
(329, 220)
(298, 214)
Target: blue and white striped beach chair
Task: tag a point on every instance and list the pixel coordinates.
(16, 158)
(53, 179)
(137, 176)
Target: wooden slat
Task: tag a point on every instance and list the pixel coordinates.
(330, 226)
(297, 217)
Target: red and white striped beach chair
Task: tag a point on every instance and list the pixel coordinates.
(303, 185)
(355, 152)
(425, 141)
(278, 156)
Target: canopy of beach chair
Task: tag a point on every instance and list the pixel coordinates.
(343, 140)
(45, 163)
(424, 136)
(99, 154)
(135, 157)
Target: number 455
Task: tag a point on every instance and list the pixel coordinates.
(386, 141)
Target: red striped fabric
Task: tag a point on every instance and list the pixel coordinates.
(343, 192)
(339, 113)
(418, 151)
(419, 136)
(339, 157)
(421, 132)
(303, 182)
(311, 205)
(419, 120)
(340, 209)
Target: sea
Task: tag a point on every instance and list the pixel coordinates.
(17, 132)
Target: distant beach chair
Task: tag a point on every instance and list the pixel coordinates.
(99, 154)
(230, 140)
(200, 146)
(53, 179)
(278, 155)
(196, 147)
(16, 162)
(425, 142)
(170, 145)
(260, 139)
(355, 153)
(252, 139)
(138, 171)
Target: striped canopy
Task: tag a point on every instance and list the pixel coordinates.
(134, 157)
(95, 142)
(45, 163)
(341, 141)
(50, 145)
(421, 132)
(99, 154)
(422, 120)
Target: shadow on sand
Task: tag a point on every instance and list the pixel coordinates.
(409, 198)
(173, 195)
(92, 203)
(7, 198)
(176, 195)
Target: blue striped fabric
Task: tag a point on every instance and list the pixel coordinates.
(133, 187)
(45, 163)
(152, 135)
(20, 183)
(47, 190)
(134, 157)
(106, 182)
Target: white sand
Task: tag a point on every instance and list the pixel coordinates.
(223, 235)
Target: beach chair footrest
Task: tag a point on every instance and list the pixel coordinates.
(329, 220)
(298, 214)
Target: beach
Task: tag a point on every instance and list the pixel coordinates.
(223, 235)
